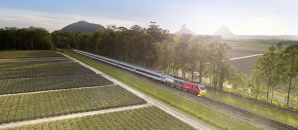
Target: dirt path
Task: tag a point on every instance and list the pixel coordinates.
(16, 124)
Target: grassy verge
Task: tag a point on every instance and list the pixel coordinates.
(32, 106)
(149, 118)
(209, 115)
(256, 107)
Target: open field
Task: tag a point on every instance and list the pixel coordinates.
(11, 86)
(235, 53)
(199, 111)
(37, 105)
(245, 65)
(150, 118)
(250, 45)
(27, 54)
(44, 73)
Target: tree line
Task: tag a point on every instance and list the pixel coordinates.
(32, 38)
(197, 58)
(155, 48)
(277, 69)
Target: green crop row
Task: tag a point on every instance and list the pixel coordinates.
(148, 118)
(27, 54)
(10, 86)
(204, 113)
(44, 73)
(32, 106)
(13, 66)
(35, 59)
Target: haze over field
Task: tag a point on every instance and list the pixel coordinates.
(267, 17)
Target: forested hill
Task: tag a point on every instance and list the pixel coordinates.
(82, 26)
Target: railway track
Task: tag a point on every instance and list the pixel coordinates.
(269, 122)
(253, 117)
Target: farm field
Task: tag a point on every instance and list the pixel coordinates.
(150, 118)
(37, 105)
(11, 86)
(44, 73)
(43, 86)
(12, 66)
(245, 65)
(51, 59)
(27, 54)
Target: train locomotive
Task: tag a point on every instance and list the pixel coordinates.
(179, 83)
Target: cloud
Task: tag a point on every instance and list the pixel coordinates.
(51, 21)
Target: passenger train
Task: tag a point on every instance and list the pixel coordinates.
(183, 84)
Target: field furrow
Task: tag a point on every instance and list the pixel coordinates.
(44, 73)
(27, 54)
(38, 105)
(11, 66)
(149, 118)
(11, 86)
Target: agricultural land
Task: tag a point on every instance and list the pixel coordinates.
(46, 90)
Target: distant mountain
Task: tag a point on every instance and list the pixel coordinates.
(224, 32)
(185, 31)
(82, 26)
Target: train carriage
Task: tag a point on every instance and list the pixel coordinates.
(177, 82)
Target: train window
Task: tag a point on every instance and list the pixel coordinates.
(202, 87)
(192, 86)
(197, 88)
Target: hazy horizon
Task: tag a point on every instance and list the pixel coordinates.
(268, 17)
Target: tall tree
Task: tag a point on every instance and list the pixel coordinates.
(181, 58)
(288, 67)
(266, 66)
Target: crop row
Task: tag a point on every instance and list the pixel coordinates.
(32, 106)
(37, 65)
(34, 59)
(10, 86)
(27, 54)
(44, 73)
(149, 118)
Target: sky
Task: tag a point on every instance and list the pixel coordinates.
(242, 17)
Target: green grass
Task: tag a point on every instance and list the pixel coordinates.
(11, 86)
(209, 115)
(149, 118)
(32, 106)
(256, 107)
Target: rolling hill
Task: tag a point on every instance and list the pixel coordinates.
(83, 26)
